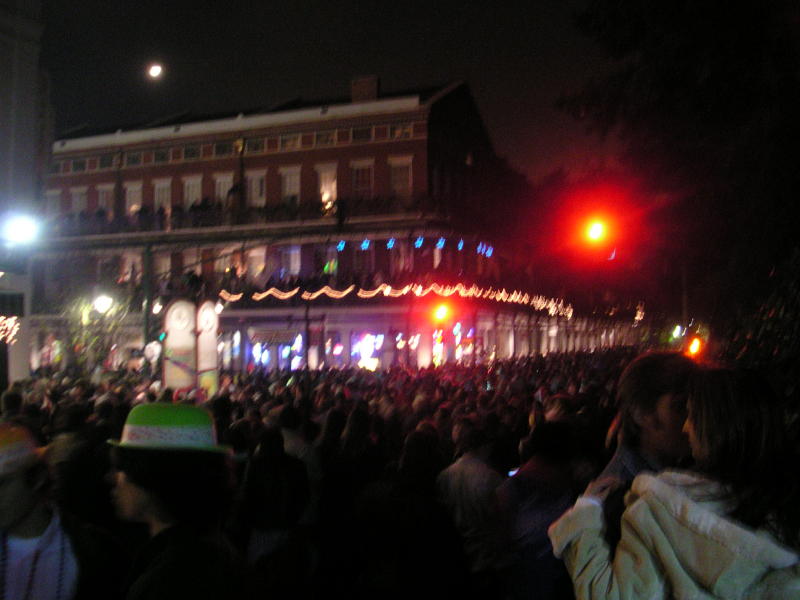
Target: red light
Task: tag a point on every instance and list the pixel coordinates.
(441, 312)
(596, 231)
(695, 346)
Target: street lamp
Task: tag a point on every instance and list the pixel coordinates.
(20, 230)
(102, 303)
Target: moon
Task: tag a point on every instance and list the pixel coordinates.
(155, 70)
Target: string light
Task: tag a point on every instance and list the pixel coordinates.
(390, 243)
(418, 242)
(460, 245)
(340, 246)
(553, 306)
(440, 243)
(365, 245)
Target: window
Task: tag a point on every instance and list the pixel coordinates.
(362, 134)
(256, 188)
(78, 199)
(133, 196)
(290, 185)
(290, 260)
(362, 178)
(79, 165)
(325, 138)
(290, 141)
(400, 131)
(53, 202)
(223, 182)
(223, 149)
(254, 146)
(105, 197)
(161, 156)
(326, 186)
(162, 193)
(106, 161)
(191, 152)
(192, 190)
(400, 176)
(133, 159)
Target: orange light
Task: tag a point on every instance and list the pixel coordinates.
(441, 312)
(695, 346)
(596, 231)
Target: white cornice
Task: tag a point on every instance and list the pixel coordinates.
(238, 124)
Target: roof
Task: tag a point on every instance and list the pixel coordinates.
(186, 117)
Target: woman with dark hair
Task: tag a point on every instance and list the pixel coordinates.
(172, 476)
(729, 529)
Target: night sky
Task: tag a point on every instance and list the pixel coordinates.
(518, 58)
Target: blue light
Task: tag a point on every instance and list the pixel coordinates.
(489, 252)
(390, 243)
(418, 242)
(365, 245)
(460, 244)
(481, 249)
(440, 243)
(340, 246)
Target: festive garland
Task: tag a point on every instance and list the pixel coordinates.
(553, 306)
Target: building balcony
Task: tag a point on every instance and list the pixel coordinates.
(207, 214)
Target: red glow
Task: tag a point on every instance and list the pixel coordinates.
(596, 231)
(695, 346)
(441, 312)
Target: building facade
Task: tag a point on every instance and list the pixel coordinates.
(330, 233)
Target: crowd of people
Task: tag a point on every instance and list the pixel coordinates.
(588, 475)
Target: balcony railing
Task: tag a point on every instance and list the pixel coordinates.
(215, 214)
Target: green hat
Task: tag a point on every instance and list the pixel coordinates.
(161, 426)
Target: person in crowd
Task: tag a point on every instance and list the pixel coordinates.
(531, 500)
(44, 553)
(172, 476)
(651, 399)
(730, 528)
(467, 489)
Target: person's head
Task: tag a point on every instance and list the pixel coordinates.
(651, 397)
(169, 468)
(10, 403)
(739, 434)
(24, 480)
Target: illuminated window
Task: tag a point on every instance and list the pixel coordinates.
(290, 185)
(290, 260)
(79, 165)
(256, 188)
(105, 198)
(223, 182)
(133, 196)
(78, 199)
(162, 193)
(326, 186)
(192, 189)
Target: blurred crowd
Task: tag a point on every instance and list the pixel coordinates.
(511, 480)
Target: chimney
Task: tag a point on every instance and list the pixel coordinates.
(364, 89)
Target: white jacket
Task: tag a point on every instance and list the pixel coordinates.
(676, 543)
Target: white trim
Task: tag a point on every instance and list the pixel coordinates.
(362, 163)
(289, 169)
(239, 123)
(255, 173)
(325, 167)
(132, 185)
(161, 181)
(222, 175)
(402, 160)
(198, 177)
(79, 189)
(103, 187)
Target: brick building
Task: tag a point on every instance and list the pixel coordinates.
(317, 226)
